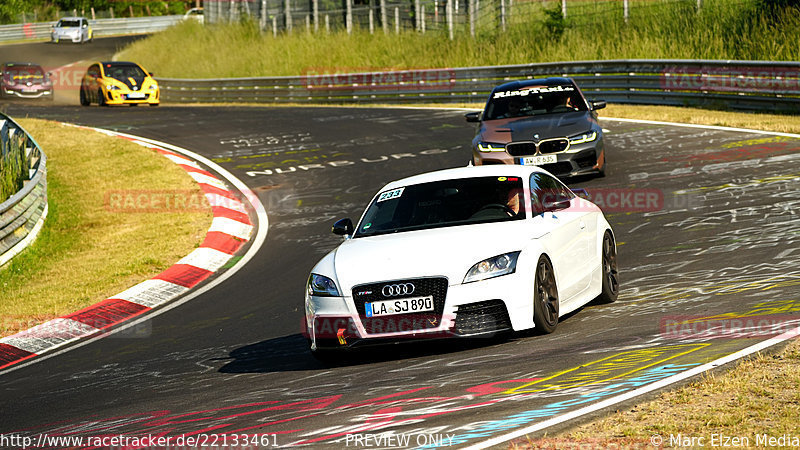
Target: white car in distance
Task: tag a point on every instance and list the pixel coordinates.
(459, 253)
(73, 29)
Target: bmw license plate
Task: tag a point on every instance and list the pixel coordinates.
(399, 306)
(538, 160)
(136, 95)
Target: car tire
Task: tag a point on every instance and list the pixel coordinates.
(84, 99)
(610, 274)
(101, 100)
(545, 297)
(154, 104)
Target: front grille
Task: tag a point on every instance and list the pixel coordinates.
(521, 148)
(525, 148)
(435, 287)
(554, 145)
(482, 317)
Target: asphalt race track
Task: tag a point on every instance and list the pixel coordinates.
(707, 229)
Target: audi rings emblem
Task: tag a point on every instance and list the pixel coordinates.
(393, 290)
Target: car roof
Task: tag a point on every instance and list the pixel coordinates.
(519, 84)
(498, 170)
(27, 64)
(118, 63)
(73, 18)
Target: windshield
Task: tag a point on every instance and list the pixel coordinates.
(123, 72)
(442, 204)
(68, 23)
(534, 101)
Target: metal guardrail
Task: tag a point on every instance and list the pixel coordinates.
(100, 27)
(22, 215)
(747, 85)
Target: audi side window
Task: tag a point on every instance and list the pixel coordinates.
(536, 194)
(546, 192)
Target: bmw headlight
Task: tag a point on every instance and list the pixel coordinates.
(112, 87)
(321, 286)
(493, 267)
(486, 147)
(582, 138)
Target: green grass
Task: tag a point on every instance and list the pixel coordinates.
(722, 29)
(87, 252)
(14, 166)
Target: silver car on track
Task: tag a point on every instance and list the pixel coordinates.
(74, 29)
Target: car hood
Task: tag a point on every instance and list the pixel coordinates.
(546, 126)
(449, 252)
(132, 83)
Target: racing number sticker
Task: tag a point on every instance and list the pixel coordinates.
(388, 195)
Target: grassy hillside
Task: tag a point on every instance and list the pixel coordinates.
(721, 29)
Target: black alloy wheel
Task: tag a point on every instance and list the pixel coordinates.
(545, 297)
(610, 272)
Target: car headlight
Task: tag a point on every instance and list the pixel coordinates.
(153, 87)
(581, 138)
(493, 267)
(112, 87)
(322, 286)
(486, 147)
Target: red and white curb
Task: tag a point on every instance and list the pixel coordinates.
(230, 229)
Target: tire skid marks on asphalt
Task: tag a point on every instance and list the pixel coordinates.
(230, 229)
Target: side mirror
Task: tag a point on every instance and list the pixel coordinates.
(473, 117)
(85, 26)
(598, 104)
(151, 74)
(582, 193)
(343, 227)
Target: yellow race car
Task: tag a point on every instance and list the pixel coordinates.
(118, 83)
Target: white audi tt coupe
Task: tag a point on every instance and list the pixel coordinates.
(458, 253)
